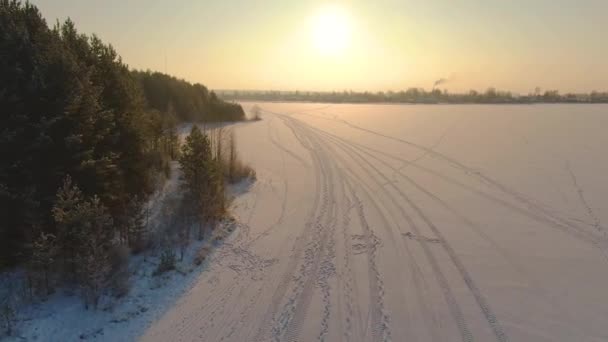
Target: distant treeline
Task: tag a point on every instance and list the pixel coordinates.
(74, 117)
(415, 95)
(188, 102)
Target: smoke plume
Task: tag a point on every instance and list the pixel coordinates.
(440, 82)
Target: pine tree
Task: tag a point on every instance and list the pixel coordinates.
(136, 229)
(202, 177)
(92, 257)
(68, 199)
(71, 106)
(44, 253)
(86, 235)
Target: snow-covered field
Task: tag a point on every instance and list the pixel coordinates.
(411, 223)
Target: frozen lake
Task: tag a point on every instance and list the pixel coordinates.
(411, 223)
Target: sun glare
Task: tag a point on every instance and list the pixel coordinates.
(331, 30)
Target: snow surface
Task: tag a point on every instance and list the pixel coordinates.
(411, 223)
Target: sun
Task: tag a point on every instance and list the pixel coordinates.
(331, 30)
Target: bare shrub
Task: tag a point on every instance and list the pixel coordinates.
(256, 112)
(202, 254)
(8, 316)
(241, 171)
(120, 283)
(167, 262)
(234, 169)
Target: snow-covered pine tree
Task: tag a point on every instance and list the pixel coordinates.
(67, 200)
(92, 258)
(86, 234)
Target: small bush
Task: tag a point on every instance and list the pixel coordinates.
(167, 169)
(167, 262)
(202, 254)
(119, 257)
(241, 171)
(256, 113)
(222, 232)
(120, 283)
(141, 244)
(219, 236)
(8, 317)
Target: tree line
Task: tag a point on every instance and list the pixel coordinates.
(84, 142)
(416, 95)
(188, 102)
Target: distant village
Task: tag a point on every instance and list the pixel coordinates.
(415, 95)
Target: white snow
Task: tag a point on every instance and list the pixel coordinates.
(411, 223)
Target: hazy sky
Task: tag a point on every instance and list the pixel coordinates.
(359, 45)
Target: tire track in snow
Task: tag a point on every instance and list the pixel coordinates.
(418, 278)
(273, 226)
(581, 195)
(294, 313)
(269, 319)
(546, 218)
(275, 141)
(347, 274)
(468, 222)
(453, 306)
(420, 283)
(564, 224)
(216, 309)
(479, 297)
(210, 307)
(380, 322)
(302, 246)
(261, 330)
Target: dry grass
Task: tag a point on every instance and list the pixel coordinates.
(223, 143)
(239, 171)
(234, 168)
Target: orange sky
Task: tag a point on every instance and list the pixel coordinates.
(358, 45)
